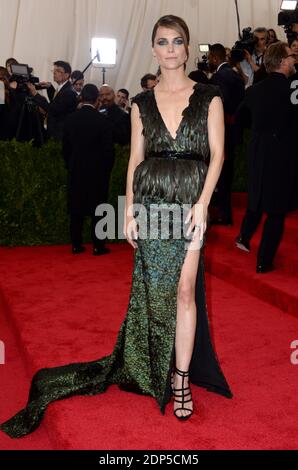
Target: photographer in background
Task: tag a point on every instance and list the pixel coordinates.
(201, 74)
(24, 122)
(261, 74)
(63, 100)
(8, 64)
(232, 88)
(253, 62)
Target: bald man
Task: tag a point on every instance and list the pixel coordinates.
(107, 96)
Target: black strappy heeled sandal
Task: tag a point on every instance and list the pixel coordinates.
(172, 380)
(185, 395)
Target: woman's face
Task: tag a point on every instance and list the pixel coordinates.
(271, 37)
(169, 48)
(294, 47)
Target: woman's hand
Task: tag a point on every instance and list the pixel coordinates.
(197, 217)
(131, 230)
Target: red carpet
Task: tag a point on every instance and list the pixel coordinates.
(57, 308)
(238, 267)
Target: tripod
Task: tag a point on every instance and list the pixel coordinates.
(103, 75)
(87, 67)
(29, 125)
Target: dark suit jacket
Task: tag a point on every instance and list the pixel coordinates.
(199, 77)
(4, 116)
(260, 74)
(58, 109)
(88, 151)
(120, 123)
(273, 153)
(231, 86)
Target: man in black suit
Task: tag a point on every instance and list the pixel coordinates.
(232, 88)
(118, 119)
(88, 151)
(63, 100)
(272, 160)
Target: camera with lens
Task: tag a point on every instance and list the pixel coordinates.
(289, 19)
(203, 64)
(247, 42)
(22, 74)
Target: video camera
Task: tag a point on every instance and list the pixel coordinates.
(22, 74)
(203, 64)
(247, 42)
(287, 19)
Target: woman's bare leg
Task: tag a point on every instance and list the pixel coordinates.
(186, 321)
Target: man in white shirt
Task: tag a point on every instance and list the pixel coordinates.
(63, 100)
(252, 63)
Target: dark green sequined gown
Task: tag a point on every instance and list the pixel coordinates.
(144, 352)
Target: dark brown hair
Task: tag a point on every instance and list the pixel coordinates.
(10, 61)
(144, 80)
(4, 75)
(274, 55)
(218, 50)
(292, 40)
(274, 33)
(64, 65)
(176, 23)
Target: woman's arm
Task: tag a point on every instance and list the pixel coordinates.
(137, 151)
(216, 135)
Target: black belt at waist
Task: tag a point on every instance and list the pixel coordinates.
(172, 155)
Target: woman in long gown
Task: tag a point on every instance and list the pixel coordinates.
(164, 341)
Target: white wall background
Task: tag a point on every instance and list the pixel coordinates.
(41, 31)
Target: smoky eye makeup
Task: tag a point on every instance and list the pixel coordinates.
(162, 42)
(177, 41)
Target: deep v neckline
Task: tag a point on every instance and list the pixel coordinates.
(182, 114)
